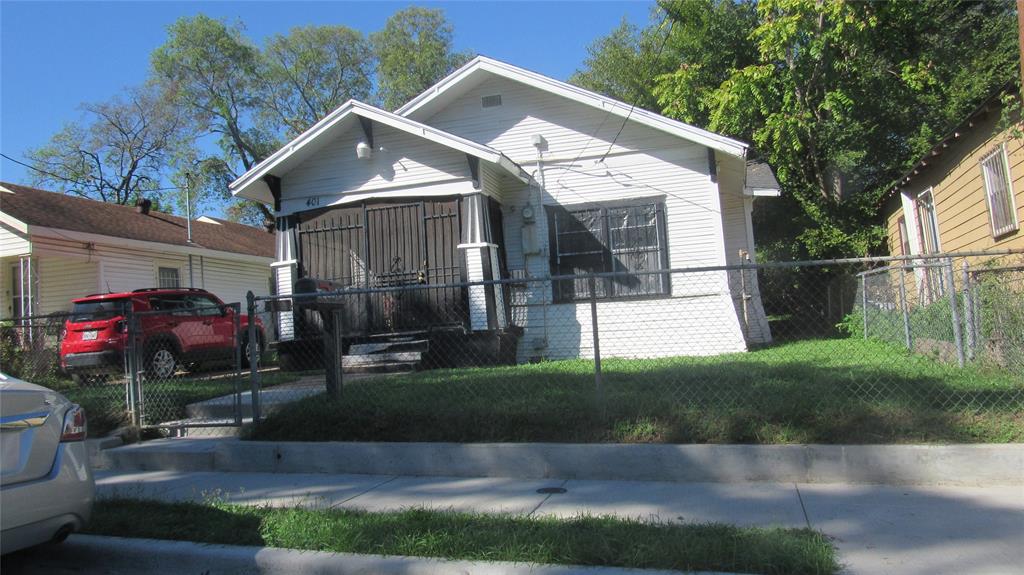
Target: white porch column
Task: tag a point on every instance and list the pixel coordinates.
(474, 255)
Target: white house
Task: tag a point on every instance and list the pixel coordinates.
(55, 247)
(507, 173)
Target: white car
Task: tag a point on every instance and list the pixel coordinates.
(46, 483)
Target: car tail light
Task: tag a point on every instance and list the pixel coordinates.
(74, 425)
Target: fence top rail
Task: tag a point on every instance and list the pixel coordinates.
(349, 291)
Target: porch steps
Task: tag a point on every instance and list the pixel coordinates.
(411, 345)
(391, 353)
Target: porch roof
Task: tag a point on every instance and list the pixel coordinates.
(252, 184)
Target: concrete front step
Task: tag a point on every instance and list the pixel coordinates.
(381, 367)
(420, 345)
(386, 356)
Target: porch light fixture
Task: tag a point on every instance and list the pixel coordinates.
(363, 150)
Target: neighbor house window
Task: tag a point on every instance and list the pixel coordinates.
(999, 191)
(901, 224)
(928, 222)
(625, 237)
(168, 278)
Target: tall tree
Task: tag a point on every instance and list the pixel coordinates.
(623, 65)
(210, 70)
(841, 95)
(116, 153)
(310, 72)
(414, 50)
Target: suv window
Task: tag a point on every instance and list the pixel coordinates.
(168, 303)
(99, 309)
(206, 305)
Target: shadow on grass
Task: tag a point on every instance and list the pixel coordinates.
(807, 392)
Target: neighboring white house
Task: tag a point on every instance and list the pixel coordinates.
(55, 247)
(527, 169)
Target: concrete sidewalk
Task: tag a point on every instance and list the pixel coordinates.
(878, 529)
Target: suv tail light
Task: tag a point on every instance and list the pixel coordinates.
(74, 425)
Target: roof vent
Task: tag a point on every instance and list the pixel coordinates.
(491, 101)
(142, 206)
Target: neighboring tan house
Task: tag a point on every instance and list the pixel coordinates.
(55, 247)
(499, 172)
(965, 195)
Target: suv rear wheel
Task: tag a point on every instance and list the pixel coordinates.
(161, 362)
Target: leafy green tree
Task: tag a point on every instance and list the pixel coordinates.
(839, 96)
(310, 72)
(414, 50)
(116, 153)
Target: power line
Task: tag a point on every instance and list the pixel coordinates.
(63, 179)
(657, 57)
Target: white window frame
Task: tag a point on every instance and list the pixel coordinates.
(159, 278)
(1013, 225)
(933, 218)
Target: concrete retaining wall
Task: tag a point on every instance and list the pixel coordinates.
(888, 464)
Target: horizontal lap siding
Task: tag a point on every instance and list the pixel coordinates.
(958, 186)
(408, 160)
(700, 318)
(13, 243)
(230, 281)
(64, 279)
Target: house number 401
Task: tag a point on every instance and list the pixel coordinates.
(312, 202)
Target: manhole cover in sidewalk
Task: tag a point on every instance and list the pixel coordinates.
(551, 490)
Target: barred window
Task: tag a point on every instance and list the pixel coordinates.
(168, 278)
(623, 237)
(999, 191)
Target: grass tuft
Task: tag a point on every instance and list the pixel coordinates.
(584, 540)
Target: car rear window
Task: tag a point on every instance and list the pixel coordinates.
(99, 309)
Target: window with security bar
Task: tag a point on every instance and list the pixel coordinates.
(168, 278)
(621, 237)
(999, 192)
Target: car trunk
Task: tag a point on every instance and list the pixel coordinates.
(31, 422)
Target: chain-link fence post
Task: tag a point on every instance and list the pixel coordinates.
(333, 353)
(864, 300)
(254, 350)
(134, 383)
(954, 313)
(238, 339)
(598, 384)
(905, 311)
(969, 323)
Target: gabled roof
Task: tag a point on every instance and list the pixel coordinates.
(41, 209)
(251, 185)
(465, 77)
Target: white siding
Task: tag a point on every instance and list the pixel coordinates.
(736, 226)
(64, 279)
(566, 125)
(705, 226)
(407, 160)
(230, 281)
(13, 243)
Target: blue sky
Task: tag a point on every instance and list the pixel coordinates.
(56, 55)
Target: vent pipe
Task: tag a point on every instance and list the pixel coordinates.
(142, 206)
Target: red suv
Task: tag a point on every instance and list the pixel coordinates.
(179, 328)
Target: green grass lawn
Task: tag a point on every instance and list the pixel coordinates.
(816, 391)
(426, 533)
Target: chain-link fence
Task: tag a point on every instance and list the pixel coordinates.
(152, 359)
(801, 352)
